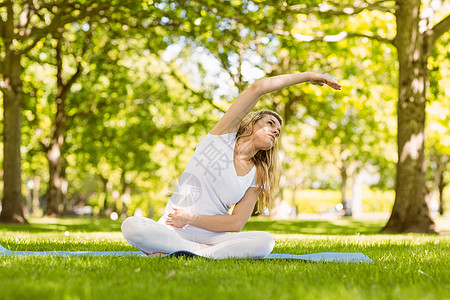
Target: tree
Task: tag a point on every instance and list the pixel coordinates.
(414, 41)
(22, 25)
(116, 124)
(437, 130)
(57, 187)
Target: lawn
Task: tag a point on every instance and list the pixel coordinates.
(406, 266)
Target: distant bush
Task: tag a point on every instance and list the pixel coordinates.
(306, 201)
(317, 201)
(314, 201)
(377, 200)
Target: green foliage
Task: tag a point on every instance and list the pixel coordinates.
(438, 115)
(134, 117)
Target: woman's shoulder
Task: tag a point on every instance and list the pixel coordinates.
(217, 141)
(219, 135)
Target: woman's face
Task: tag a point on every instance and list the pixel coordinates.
(266, 132)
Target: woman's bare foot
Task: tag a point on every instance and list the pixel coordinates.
(204, 246)
(153, 254)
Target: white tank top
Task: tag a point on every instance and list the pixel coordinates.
(209, 185)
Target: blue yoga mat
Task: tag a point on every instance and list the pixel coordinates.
(323, 256)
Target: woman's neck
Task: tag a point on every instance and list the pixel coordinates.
(245, 149)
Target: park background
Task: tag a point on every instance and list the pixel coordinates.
(103, 103)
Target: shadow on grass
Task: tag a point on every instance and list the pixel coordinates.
(65, 224)
(344, 226)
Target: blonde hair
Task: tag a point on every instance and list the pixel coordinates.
(266, 161)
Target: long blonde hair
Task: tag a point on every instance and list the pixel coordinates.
(266, 161)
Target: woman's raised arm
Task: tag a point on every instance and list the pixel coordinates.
(248, 99)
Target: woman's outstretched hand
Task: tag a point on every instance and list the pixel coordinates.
(320, 79)
(179, 218)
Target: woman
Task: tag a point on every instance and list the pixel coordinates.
(235, 164)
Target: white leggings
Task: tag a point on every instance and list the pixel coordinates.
(150, 236)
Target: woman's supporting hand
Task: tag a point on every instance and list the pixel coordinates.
(321, 79)
(179, 218)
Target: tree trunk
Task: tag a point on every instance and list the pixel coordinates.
(126, 191)
(346, 204)
(104, 205)
(57, 186)
(11, 86)
(287, 111)
(442, 163)
(295, 187)
(55, 191)
(357, 194)
(441, 194)
(66, 205)
(36, 205)
(55, 194)
(410, 212)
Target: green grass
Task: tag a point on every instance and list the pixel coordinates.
(406, 266)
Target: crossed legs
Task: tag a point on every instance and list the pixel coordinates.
(150, 237)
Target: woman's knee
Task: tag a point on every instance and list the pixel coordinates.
(132, 228)
(266, 242)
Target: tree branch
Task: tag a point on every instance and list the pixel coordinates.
(44, 146)
(59, 62)
(332, 38)
(373, 37)
(2, 25)
(198, 94)
(8, 29)
(332, 8)
(77, 74)
(226, 67)
(155, 23)
(439, 29)
(300, 9)
(60, 20)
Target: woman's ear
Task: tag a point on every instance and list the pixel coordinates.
(249, 129)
